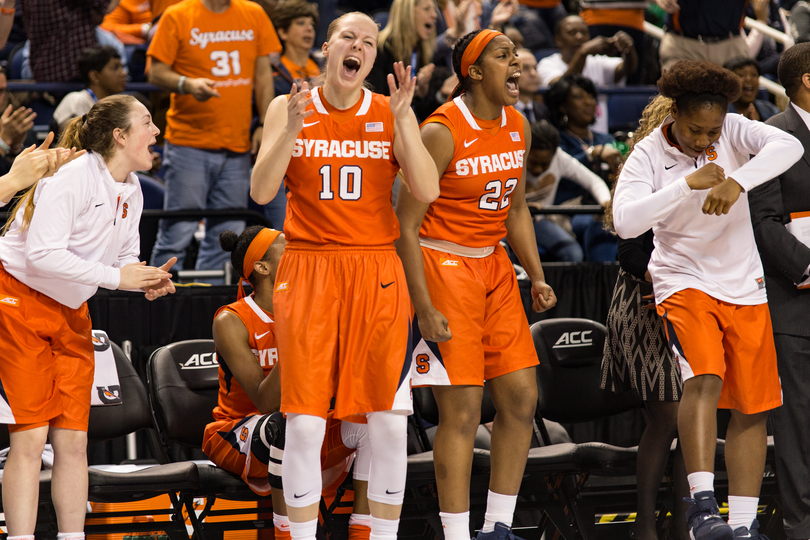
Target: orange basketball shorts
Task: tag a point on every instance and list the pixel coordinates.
(735, 342)
(343, 327)
(232, 446)
(46, 375)
(481, 300)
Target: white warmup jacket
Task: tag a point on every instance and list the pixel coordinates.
(84, 228)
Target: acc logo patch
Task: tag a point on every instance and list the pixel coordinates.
(448, 262)
(10, 301)
(283, 286)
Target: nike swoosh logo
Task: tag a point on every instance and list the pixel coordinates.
(668, 168)
(260, 336)
(386, 285)
(392, 492)
(467, 144)
(102, 204)
(307, 125)
(297, 496)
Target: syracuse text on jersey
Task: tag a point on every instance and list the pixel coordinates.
(342, 149)
(220, 36)
(266, 357)
(491, 163)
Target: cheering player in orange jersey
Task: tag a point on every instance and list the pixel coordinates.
(341, 299)
(463, 286)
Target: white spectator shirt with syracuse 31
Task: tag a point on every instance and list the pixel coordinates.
(713, 254)
(84, 229)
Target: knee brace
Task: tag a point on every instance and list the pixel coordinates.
(301, 466)
(388, 433)
(268, 445)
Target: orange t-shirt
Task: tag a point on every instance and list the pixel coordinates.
(475, 189)
(223, 47)
(341, 175)
(309, 71)
(233, 403)
(633, 18)
(159, 6)
(127, 20)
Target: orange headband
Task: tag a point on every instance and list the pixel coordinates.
(255, 252)
(475, 48)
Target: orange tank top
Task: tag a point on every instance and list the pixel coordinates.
(476, 187)
(341, 175)
(233, 403)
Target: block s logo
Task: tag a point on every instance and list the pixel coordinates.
(422, 363)
(126, 209)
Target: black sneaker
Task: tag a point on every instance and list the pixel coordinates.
(704, 519)
(749, 532)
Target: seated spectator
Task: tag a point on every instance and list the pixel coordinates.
(764, 48)
(747, 69)
(571, 104)
(607, 17)
(295, 22)
(131, 22)
(410, 38)
(103, 75)
(593, 58)
(546, 165)
(527, 104)
(572, 108)
(15, 123)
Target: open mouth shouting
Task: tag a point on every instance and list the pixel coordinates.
(351, 65)
(512, 86)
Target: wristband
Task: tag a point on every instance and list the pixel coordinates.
(5, 147)
(7, 11)
(180, 82)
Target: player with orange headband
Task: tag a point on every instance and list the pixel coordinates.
(463, 286)
(247, 435)
(341, 298)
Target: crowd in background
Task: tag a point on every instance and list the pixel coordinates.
(570, 51)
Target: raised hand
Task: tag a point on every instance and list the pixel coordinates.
(296, 107)
(503, 12)
(401, 97)
(14, 126)
(423, 80)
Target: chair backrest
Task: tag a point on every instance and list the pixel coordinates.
(570, 371)
(183, 381)
(624, 109)
(112, 421)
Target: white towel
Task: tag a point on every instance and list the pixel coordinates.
(107, 389)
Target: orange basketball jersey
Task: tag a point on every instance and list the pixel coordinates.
(486, 167)
(341, 175)
(233, 402)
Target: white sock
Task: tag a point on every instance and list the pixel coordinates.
(700, 481)
(360, 519)
(70, 536)
(500, 509)
(456, 526)
(742, 511)
(383, 529)
(303, 530)
(280, 522)
(21, 537)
